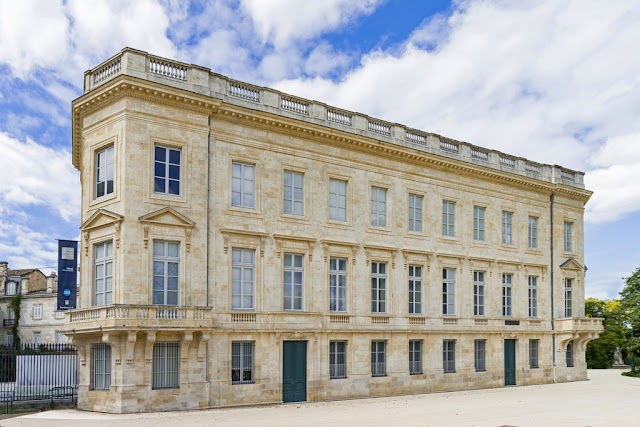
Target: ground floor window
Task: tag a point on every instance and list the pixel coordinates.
(101, 366)
(378, 358)
(415, 357)
(570, 354)
(242, 362)
(166, 365)
(449, 356)
(337, 359)
(479, 352)
(533, 353)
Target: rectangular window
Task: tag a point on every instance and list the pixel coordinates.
(9, 339)
(166, 178)
(449, 356)
(415, 357)
(104, 172)
(293, 193)
(378, 358)
(479, 350)
(533, 296)
(11, 286)
(37, 338)
(507, 282)
(378, 287)
(378, 207)
(415, 289)
(448, 219)
(337, 200)
(533, 232)
(533, 353)
(293, 279)
(166, 365)
(568, 297)
(448, 291)
(103, 274)
(507, 230)
(60, 338)
(242, 185)
(415, 213)
(337, 359)
(101, 366)
(478, 293)
(338, 284)
(478, 223)
(242, 286)
(570, 354)
(37, 311)
(166, 266)
(242, 355)
(568, 236)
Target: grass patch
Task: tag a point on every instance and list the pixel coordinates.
(635, 374)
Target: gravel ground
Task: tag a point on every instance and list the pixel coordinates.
(607, 399)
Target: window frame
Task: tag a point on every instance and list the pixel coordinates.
(378, 351)
(479, 223)
(507, 228)
(568, 297)
(98, 262)
(534, 351)
(167, 168)
(570, 355)
(507, 295)
(415, 288)
(101, 367)
(243, 192)
(243, 267)
(110, 169)
(165, 259)
(245, 356)
(449, 356)
(292, 270)
(532, 293)
(449, 218)
(415, 357)
(37, 337)
(292, 193)
(337, 348)
(378, 206)
(448, 292)
(568, 236)
(479, 287)
(37, 312)
(337, 196)
(166, 376)
(479, 352)
(379, 288)
(338, 273)
(415, 213)
(532, 232)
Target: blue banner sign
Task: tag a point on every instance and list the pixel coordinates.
(67, 274)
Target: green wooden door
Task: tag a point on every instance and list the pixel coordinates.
(509, 362)
(294, 371)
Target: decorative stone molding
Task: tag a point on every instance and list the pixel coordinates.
(202, 345)
(346, 249)
(148, 348)
(115, 341)
(296, 336)
(99, 219)
(244, 238)
(167, 217)
(294, 243)
(408, 254)
(385, 253)
(131, 343)
(187, 337)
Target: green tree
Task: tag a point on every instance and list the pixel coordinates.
(600, 352)
(631, 307)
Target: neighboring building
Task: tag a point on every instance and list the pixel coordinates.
(241, 245)
(40, 322)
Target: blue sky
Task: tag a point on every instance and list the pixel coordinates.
(556, 82)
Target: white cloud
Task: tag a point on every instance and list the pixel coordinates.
(31, 174)
(283, 22)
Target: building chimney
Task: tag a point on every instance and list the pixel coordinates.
(24, 286)
(52, 283)
(4, 268)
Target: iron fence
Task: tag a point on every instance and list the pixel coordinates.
(32, 372)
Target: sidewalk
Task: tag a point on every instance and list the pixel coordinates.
(607, 399)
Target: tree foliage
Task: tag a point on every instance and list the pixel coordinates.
(631, 307)
(600, 353)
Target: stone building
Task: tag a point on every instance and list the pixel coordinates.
(241, 245)
(40, 322)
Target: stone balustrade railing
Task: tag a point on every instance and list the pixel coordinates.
(200, 80)
(139, 312)
(587, 324)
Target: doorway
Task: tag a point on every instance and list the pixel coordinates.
(294, 371)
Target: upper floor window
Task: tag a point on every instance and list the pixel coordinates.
(338, 284)
(11, 286)
(242, 278)
(448, 219)
(166, 178)
(568, 236)
(448, 291)
(378, 207)
(104, 172)
(166, 266)
(568, 297)
(533, 232)
(478, 293)
(478, 223)
(533, 296)
(507, 282)
(337, 200)
(242, 185)
(415, 212)
(103, 274)
(415, 289)
(507, 228)
(293, 281)
(378, 287)
(37, 311)
(293, 193)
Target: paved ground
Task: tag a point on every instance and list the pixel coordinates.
(607, 399)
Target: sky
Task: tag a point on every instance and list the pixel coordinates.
(557, 82)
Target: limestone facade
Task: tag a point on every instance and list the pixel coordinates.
(285, 220)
